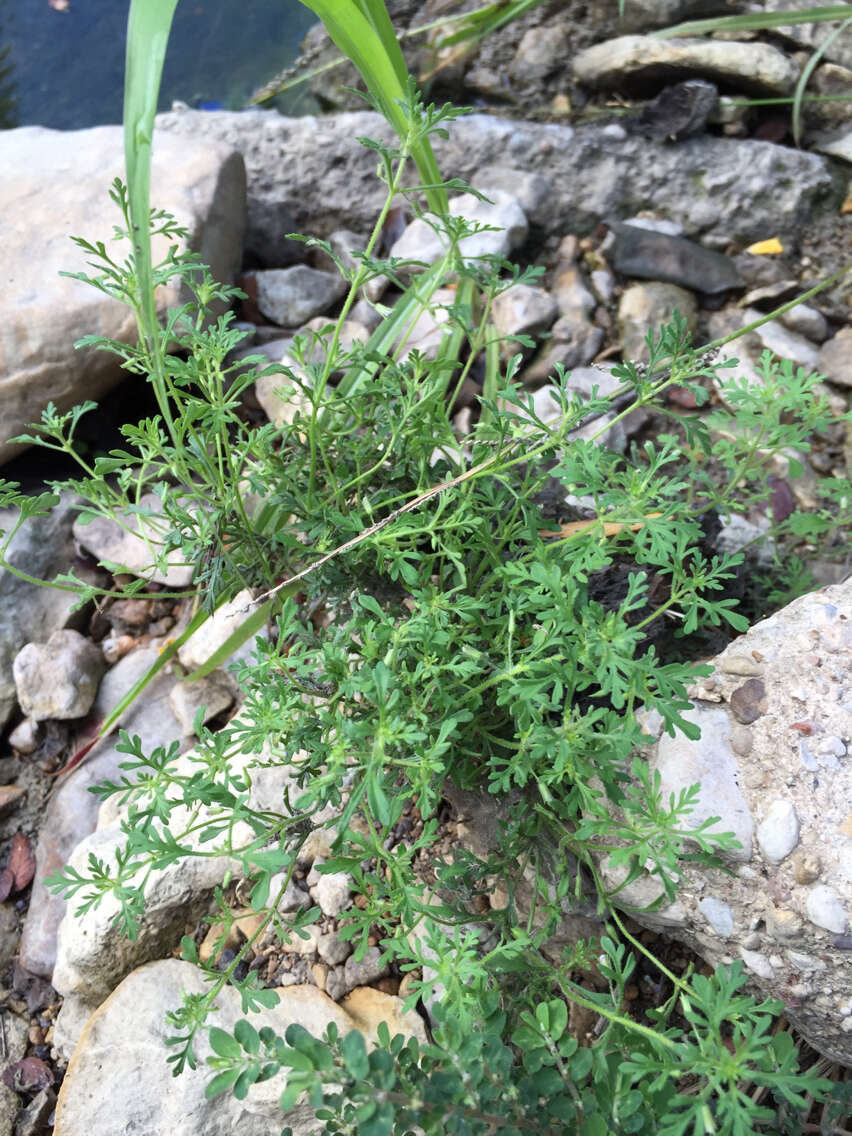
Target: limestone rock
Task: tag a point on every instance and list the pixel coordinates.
(291, 296)
(42, 313)
(754, 67)
(93, 956)
(215, 632)
(532, 191)
(214, 693)
(43, 548)
(58, 679)
(369, 1008)
(715, 188)
(800, 791)
(332, 893)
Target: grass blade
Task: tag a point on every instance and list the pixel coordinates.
(749, 21)
(807, 71)
(363, 32)
(148, 25)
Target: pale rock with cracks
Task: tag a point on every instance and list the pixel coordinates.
(127, 1034)
(290, 296)
(754, 67)
(43, 314)
(59, 678)
(773, 764)
(646, 305)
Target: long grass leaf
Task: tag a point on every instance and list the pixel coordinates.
(807, 71)
(364, 36)
(148, 26)
(748, 21)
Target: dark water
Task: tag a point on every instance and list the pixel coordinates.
(65, 69)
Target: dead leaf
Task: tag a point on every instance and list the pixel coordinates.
(769, 247)
(610, 528)
(21, 861)
(781, 499)
(846, 207)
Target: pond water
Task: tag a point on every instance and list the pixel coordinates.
(62, 61)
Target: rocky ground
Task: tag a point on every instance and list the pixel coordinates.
(629, 170)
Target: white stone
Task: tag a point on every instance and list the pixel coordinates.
(213, 693)
(507, 230)
(757, 962)
(523, 310)
(711, 762)
(332, 893)
(757, 65)
(781, 341)
(291, 296)
(43, 548)
(835, 358)
(126, 1035)
(825, 909)
(778, 832)
(806, 321)
(718, 914)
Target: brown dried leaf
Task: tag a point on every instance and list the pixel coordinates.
(21, 861)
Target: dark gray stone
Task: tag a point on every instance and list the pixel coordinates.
(646, 255)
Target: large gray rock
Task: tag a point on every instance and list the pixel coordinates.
(773, 763)
(127, 1036)
(43, 548)
(755, 67)
(53, 185)
(713, 187)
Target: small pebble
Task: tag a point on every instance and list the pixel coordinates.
(825, 909)
(718, 914)
(778, 833)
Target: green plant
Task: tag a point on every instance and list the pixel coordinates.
(467, 644)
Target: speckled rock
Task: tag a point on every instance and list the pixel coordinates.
(787, 796)
(716, 188)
